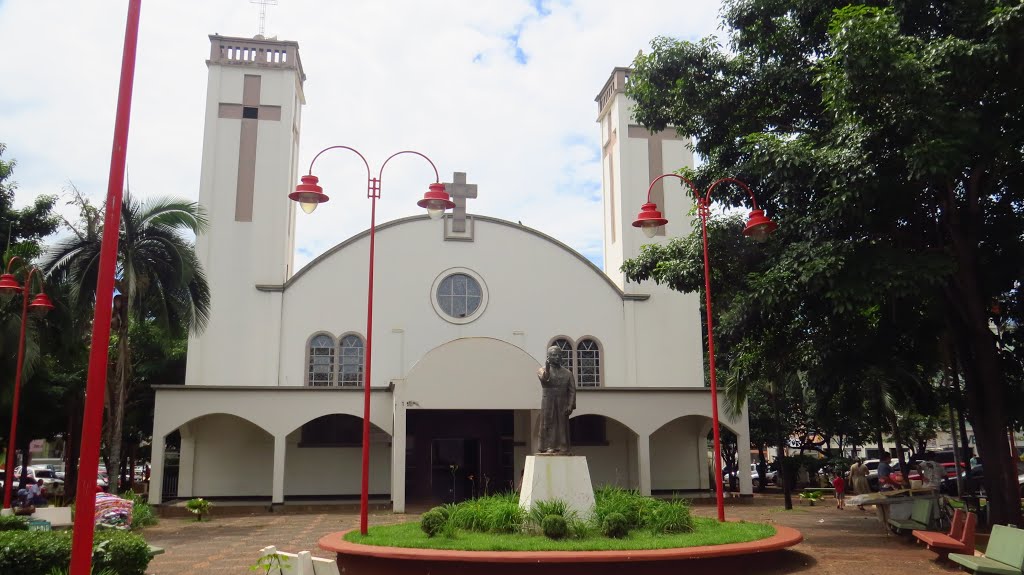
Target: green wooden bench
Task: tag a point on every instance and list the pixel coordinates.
(920, 516)
(1004, 554)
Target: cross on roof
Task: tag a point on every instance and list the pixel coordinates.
(460, 191)
(263, 12)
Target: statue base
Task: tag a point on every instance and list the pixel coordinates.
(565, 477)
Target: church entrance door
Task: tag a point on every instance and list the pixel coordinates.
(457, 454)
(454, 469)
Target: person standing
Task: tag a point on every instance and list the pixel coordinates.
(840, 487)
(859, 479)
(885, 480)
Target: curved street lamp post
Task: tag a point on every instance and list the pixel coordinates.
(758, 228)
(436, 200)
(9, 287)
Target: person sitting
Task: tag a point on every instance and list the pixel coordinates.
(37, 493)
(22, 504)
(885, 480)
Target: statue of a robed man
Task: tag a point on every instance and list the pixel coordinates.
(558, 400)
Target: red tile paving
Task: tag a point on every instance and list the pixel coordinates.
(835, 542)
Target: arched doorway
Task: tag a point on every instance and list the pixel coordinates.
(610, 448)
(323, 459)
(214, 458)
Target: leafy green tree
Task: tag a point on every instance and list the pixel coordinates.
(886, 140)
(159, 282)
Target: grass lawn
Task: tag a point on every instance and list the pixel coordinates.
(706, 532)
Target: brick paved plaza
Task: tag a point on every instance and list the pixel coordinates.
(836, 542)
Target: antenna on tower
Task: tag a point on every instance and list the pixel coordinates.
(263, 14)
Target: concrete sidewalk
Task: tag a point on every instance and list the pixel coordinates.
(835, 542)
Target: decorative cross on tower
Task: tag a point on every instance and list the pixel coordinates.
(460, 191)
(250, 112)
(263, 13)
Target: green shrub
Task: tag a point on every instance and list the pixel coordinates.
(541, 509)
(432, 522)
(199, 507)
(615, 525)
(554, 527)
(505, 517)
(35, 552)
(13, 523)
(143, 514)
(64, 571)
(670, 517)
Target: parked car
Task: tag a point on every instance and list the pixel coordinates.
(50, 483)
(974, 481)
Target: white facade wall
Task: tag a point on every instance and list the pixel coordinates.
(615, 463)
(335, 470)
(233, 457)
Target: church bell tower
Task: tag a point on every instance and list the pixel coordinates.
(632, 156)
(250, 161)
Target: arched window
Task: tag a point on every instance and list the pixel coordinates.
(321, 361)
(567, 352)
(352, 361)
(588, 363)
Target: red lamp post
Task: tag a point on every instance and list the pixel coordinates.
(96, 382)
(436, 200)
(758, 227)
(41, 304)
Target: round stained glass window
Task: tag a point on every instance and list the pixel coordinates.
(459, 295)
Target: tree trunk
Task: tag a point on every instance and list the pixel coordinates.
(762, 468)
(898, 439)
(117, 408)
(961, 411)
(984, 383)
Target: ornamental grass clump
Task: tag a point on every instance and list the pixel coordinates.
(505, 517)
(670, 517)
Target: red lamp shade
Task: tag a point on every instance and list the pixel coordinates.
(436, 201)
(40, 305)
(9, 287)
(308, 194)
(759, 226)
(649, 219)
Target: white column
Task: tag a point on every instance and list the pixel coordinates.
(398, 454)
(280, 446)
(706, 465)
(156, 469)
(186, 461)
(743, 462)
(643, 462)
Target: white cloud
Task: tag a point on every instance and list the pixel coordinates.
(502, 90)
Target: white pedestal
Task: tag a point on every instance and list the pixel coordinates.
(565, 477)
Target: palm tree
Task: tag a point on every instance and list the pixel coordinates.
(159, 280)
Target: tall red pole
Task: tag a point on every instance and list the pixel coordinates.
(12, 445)
(364, 493)
(719, 492)
(92, 419)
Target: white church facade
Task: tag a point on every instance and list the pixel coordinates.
(464, 310)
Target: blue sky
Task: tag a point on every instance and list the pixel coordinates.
(501, 90)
